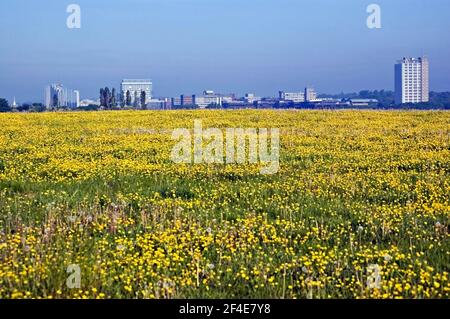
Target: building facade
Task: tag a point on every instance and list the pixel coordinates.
(135, 87)
(251, 98)
(58, 96)
(209, 98)
(310, 95)
(412, 81)
(296, 97)
(77, 98)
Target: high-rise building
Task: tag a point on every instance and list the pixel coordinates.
(135, 87)
(77, 98)
(58, 96)
(412, 81)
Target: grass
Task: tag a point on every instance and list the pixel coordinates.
(355, 189)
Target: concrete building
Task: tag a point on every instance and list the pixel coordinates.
(58, 96)
(158, 104)
(77, 98)
(87, 102)
(310, 95)
(412, 81)
(209, 98)
(184, 100)
(188, 100)
(296, 97)
(135, 87)
(251, 98)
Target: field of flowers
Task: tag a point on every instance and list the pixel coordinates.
(360, 207)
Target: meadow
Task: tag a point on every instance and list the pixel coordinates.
(360, 207)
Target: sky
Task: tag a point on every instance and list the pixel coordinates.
(229, 46)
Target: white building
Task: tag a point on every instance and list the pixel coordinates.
(310, 95)
(412, 80)
(58, 96)
(135, 87)
(251, 98)
(77, 98)
(296, 97)
(208, 98)
(87, 102)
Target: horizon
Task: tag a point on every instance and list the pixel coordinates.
(188, 46)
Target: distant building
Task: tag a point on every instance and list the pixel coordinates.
(310, 95)
(332, 103)
(209, 98)
(187, 100)
(135, 87)
(184, 100)
(363, 102)
(87, 102)
(251, 98)
(296, 97)
(14, 105)
(58, 96)
(176, 101)
(412, 80)
(158, 104)
(77, 98)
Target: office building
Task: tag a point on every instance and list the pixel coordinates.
(209, 98)
(412, 80)
(187, 100)
(251, 98)
(58, 96)
(310, 95)
(76, 98)
(295, 97)
(134, 88)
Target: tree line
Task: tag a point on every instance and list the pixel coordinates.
(109, 99)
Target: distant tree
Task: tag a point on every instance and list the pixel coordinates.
(122, 100)
(38, 107)
(440, 99)
(136, 99)
(24, 107)
(113, 102)
(102, 97)
(128, 99)
(107, 98)
(143, 100)
(4, 106)
(90, 107)
(55, 102)
(364, 94)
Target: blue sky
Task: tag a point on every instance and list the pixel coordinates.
(239, 46)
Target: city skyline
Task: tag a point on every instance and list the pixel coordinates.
(229, 46)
